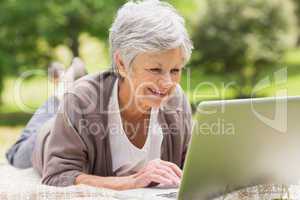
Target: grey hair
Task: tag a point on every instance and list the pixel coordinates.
(147, 26)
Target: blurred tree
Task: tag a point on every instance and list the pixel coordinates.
(29, 31)
(243, 38)
(297, 4)
(63, 21)
(55, 22)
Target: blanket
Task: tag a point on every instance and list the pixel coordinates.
(18, 184)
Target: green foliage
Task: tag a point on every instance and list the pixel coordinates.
(25, 25)
(63, 21)
(243, 37)
(297, 5)
(19, 33)
(29, 30)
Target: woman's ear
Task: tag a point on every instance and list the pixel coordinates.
(121, 68)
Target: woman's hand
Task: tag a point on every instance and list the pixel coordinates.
(159, 172)
(156, 171)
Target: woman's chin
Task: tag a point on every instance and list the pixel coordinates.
(155, 103)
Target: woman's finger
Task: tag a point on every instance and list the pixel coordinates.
(160, 179)
(174, 167)
(164, 173)
(170, 173)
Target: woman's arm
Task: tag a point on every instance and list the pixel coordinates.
(115, 183)
(156, 171)
(63, 154)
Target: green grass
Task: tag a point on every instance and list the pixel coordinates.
(29, 95)
(199, 86)
(8, 135)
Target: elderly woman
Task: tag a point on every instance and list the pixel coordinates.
(129, 127)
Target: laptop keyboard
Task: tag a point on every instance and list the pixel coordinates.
(171, 195)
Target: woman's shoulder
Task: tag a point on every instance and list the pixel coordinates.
(95, 82)
(92, 90)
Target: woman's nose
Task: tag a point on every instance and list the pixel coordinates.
(165, 82)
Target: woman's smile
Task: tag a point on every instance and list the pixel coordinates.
(157, 93)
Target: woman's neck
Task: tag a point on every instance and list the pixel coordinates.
(130, 109)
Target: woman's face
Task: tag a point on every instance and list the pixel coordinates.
(154, 76)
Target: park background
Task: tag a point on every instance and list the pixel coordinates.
(235, 41)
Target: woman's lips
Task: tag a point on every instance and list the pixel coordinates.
(157, 92)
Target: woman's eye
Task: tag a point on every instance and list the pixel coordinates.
(155, 70)
(175, 71)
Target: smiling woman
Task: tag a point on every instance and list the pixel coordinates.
(151, 79)
(128, 127)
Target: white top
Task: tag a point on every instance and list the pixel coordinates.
(127, 158)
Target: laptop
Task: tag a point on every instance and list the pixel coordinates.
(238, 144)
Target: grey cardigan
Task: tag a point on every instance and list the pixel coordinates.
(76, 141)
